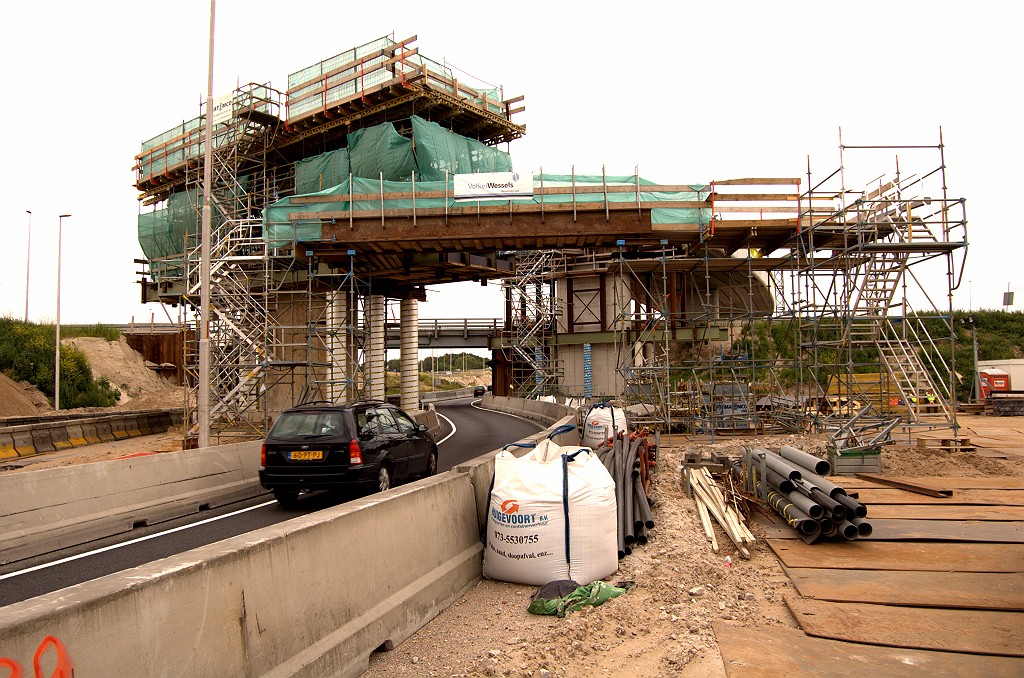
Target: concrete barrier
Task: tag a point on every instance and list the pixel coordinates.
(313, 596)
(47, 434)
(41, 511)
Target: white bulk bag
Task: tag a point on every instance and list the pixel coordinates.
(603, 421)
(551, 515)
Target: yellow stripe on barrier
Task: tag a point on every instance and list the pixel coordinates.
(7, 452)
(79, 442)
(26, 451)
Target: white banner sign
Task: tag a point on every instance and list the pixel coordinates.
(492, 185)
(222, 108)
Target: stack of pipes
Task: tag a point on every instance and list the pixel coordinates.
(792, 483)
(628, 460)
(711, 503)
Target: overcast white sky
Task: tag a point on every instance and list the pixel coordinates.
(690, 92)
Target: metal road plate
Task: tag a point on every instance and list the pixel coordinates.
(880, 555)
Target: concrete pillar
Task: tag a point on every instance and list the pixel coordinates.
(377, 318)
(409, 361)
(337, 346)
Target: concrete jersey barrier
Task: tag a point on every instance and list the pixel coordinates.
(312, 596)
(42, 511)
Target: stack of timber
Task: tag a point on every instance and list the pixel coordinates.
(792, 483)
(710, 503)
(629, 459)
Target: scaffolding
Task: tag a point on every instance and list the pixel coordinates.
(530, 323)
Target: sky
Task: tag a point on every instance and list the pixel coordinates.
(686, 92)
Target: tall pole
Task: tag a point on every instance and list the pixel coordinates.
(56, 349)
(204, 250)
(28, 260)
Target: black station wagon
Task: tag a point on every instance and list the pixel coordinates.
(367, 445)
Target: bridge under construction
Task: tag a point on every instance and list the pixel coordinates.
(728, 304)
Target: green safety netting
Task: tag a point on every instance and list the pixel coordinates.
(439, 151)
(281, 229)
(322, 171)
(432, 152)
(163, 232)
(381, 148)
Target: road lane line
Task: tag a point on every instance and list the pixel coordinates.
(133, 541)
(450, 423)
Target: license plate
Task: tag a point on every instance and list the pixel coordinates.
(306, 455)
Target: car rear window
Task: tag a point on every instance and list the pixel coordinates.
(310, 425)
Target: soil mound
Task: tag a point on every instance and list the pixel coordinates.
(20, 400)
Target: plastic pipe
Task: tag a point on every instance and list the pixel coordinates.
(864, 528)
(806, 504)
(853, 507)
(848, 530)
(807, 461)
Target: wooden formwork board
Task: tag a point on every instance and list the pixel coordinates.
(775, 652)
(907, 556)
(938, 512)
(981, 497)
(995, 632)
(961, 590)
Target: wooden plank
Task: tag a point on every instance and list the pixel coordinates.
(979, 497)
(931, 490)
(775, 652)
(907, 556)
(974, 631)
(964, 590)
(897, 529)
(933, 512)
(957, 483)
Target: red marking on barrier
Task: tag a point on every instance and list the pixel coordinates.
(63, 668)
(136, 454)
(14, 666)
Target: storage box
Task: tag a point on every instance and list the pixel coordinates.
(860, 460)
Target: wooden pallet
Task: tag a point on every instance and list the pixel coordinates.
(948, 444)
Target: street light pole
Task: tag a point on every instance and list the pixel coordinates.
(203, 397)
(56, 350)
(28, 260)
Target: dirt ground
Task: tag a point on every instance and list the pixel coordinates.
(662, 626)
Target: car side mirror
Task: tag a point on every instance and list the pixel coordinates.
(422, 428)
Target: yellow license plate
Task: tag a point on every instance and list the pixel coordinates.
(306, 455)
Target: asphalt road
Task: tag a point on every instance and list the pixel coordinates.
(468, 432)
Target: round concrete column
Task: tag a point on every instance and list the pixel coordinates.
(410, 357)
(337, 345)
(377, 318)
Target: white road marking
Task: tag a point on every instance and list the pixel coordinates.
(133, 541)
(450, 423)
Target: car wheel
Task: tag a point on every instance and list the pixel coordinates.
(431, 469)
(383, 479)
(287, 498)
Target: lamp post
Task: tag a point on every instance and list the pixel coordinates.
(28, 260)
(56, 350)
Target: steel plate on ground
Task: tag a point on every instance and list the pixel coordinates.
(774, 652)
(972, 631)
(866, 555)
(956, 483)
(966, 590)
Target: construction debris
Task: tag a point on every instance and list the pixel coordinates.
(710, 502)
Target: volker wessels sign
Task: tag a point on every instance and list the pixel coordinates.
(493, 185)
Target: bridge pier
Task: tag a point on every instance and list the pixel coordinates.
(338, 385)
(409, 359)
(378, 307)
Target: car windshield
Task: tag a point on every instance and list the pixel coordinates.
(309, 425)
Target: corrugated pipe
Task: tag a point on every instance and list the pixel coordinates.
(643, 512)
